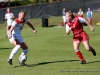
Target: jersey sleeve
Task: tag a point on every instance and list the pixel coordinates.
(82, 20)
(14, 23)
(67, 28)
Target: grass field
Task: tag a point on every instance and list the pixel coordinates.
(50, 53)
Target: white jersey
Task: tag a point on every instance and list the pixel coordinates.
(9, 15)
(18, 26)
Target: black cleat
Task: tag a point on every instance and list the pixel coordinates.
(94, 52)
(83, 62)
(10, 61)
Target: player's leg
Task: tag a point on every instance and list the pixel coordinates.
(89, 48)
(64, 20)
(14, 50)
(23, 54)
(90, 21)
(76, 45)
(25, 49)
(23, 45)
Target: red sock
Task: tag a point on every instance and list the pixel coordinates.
(79, 54)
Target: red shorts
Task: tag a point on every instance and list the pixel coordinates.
(81, 37)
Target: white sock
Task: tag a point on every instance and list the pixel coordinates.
(14, 51)
(24, 52)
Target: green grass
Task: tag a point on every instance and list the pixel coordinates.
(50, 52)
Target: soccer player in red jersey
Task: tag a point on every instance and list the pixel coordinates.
(15, 37)
(79, 35)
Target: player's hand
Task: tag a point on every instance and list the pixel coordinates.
(9, 35)
(34, 31)
(92, 29)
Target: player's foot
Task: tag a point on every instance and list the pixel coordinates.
(83, 62)
(10, 61)
(93, 52)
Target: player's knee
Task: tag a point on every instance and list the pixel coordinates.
(24, 47)
(18, 46)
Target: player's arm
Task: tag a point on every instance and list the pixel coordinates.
(5, 17)
(8, 27)
(82, 20)
(13, 16)
(67, 29)
(31, 26)
(90, 26)
(11, 29)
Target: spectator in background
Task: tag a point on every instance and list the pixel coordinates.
(9, 16)
(89, 16)
(80, 13)
(63, 16)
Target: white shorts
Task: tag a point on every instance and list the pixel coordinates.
(64, 18)
(16, 36)
(9, 22)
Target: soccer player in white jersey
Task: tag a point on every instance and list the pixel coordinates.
(9, 17)
(15, 35)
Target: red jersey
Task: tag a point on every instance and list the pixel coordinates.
(77, 28)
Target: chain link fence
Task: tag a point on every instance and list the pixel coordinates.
(52, 9)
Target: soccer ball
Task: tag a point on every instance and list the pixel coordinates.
(22, 59)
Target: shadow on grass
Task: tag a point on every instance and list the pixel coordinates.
(93, 62)
(5, 48)
(44, 63)
(52, 25)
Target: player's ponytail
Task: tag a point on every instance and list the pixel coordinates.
(71, 13)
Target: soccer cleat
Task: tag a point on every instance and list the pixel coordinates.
(83, 62)
(10, 61)
(94, 52)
